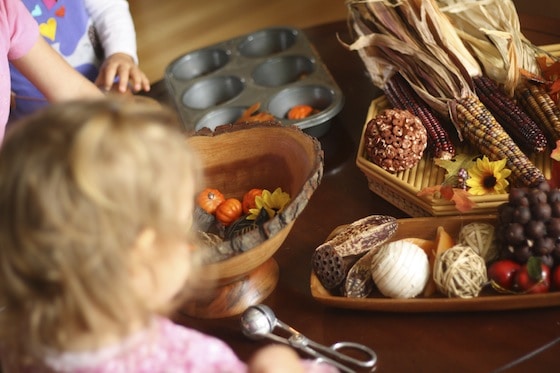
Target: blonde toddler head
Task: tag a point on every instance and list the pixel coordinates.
(79, 184)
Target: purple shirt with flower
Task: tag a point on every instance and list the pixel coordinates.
(84, 32)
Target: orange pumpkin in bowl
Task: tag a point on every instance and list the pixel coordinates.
(209, 200)
(235, 159)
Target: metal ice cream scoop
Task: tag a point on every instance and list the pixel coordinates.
(260, 322)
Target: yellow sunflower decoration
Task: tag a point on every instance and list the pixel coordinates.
(273, 203)
(488, 177)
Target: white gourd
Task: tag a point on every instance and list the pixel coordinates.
(400, 269)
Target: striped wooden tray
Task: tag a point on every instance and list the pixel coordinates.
(401, 188)
(425, 228)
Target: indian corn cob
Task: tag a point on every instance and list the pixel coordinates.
(416, 39)
(492, 30)
(402, 96)
(538, 103)
(524, 130)
(481, 129)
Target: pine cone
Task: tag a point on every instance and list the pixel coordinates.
(395, 140)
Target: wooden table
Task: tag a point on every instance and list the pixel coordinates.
(428, 342)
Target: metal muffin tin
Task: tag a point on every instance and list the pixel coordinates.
(276, 67)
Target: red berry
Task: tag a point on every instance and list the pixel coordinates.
(502, 273)
(556, 278)
(533, 277)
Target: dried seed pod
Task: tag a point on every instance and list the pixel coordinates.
(402, 96)
(333, 259)
(359, 283)
(356, 237)
(330, 267)
(395, 139)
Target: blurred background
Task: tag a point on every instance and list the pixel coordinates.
(167, 29)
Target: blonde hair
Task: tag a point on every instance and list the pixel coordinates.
(78, 183)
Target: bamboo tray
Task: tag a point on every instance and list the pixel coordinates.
(425, 227)
(401, 188)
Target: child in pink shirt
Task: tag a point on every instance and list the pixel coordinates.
(20, 44)
(97, 246)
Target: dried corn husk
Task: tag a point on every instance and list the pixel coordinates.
(421, 43)
(440, 36)
(492, 29)
(399, 35)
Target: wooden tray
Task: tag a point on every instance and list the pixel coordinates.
(425, 227)
(401, 188)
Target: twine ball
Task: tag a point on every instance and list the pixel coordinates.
(480, 237)
(460, 272)
(400, 269)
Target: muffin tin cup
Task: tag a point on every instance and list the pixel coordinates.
(276, 67)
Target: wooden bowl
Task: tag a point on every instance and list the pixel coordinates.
(237, 158)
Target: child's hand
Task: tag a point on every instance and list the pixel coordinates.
(275, 358)
(122, 66)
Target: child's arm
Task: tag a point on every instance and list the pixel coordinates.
(53, 76)
(115, 27)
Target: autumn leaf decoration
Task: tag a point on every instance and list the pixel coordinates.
(468, 175)
(551, 72)
(449, 189)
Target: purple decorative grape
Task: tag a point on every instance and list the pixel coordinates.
(553, 228)
(541, 211)
(543, 246)
(535, 229)
(515, 233)
(521, 215)
(529, 225)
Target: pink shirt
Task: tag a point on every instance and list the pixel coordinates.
(165, 347)
(18, 33)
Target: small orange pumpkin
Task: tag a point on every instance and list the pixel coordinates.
(249, 199)
(300, 112)
(209, 199)
(229, 211)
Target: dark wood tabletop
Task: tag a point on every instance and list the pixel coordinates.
(404, 342)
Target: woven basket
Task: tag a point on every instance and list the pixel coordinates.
(401, 188)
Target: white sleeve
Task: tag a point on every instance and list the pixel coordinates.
(114, 25)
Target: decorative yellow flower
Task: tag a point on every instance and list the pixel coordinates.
(273, 203)
(486, 177)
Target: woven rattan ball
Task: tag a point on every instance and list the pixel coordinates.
(480, 237)
(460, 272)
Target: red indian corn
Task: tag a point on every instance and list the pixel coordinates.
(533, 97)
(401, 95)
(481, 129)
(523, 130)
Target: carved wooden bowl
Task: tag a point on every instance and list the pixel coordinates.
(236, 158)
